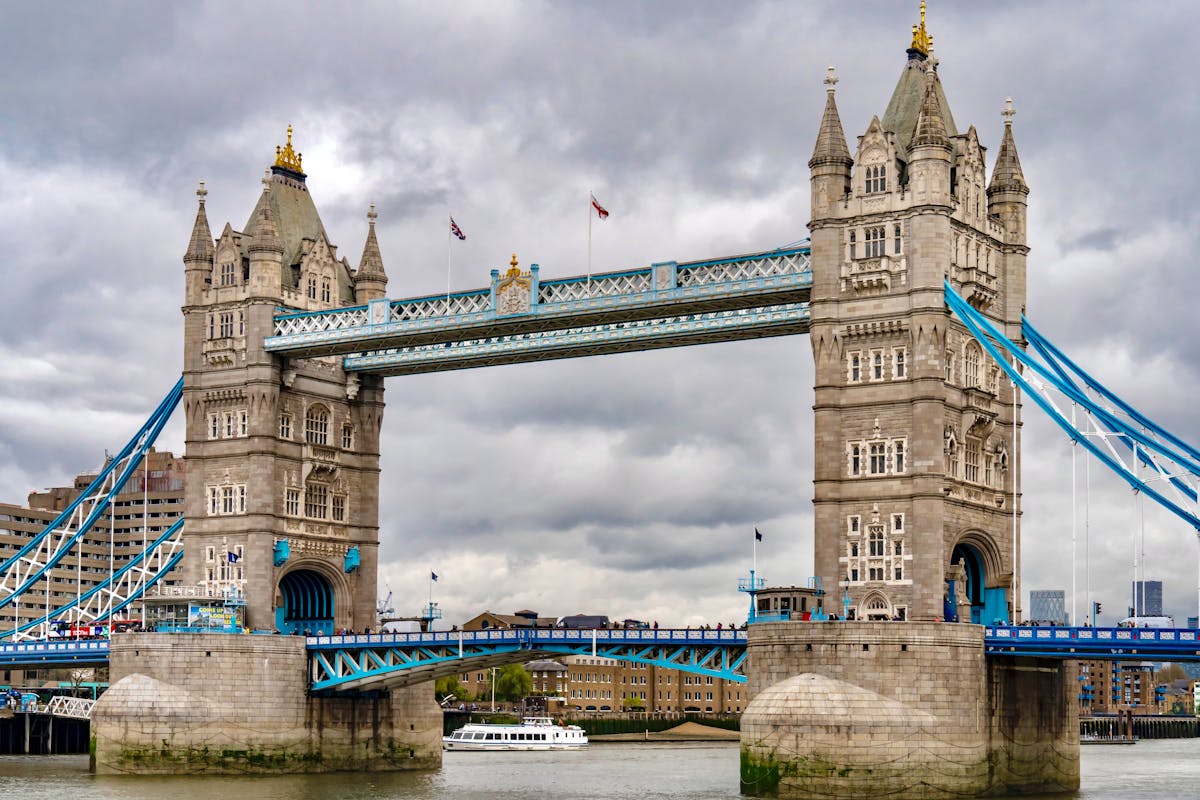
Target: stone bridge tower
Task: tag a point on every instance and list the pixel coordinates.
(915, 468)
(282, 456)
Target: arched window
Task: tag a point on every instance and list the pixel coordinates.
(325, 293)
(971, 365)
(876, 540)
(312, 288)
(316, 425)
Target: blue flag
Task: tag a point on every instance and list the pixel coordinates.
(432, 576)
(757, 535)
(232, 557)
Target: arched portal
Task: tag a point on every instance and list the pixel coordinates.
(974, 571)
(307, 603)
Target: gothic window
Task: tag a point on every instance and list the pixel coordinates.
(874, 242)
(227, 502)
(285, 426)
(230, 499)
(316, 425)
(899, 363)
(347, 437)
(241, 498)
(212, 326)
(876, 180)
(854, 549)
(971, 461)
(338, 508)
(855, 459)
(227, 325)
(899, 572)
(878, 458)
(897, 526)
(854, 575)
(214, 426)
(316, 501)
(243, 423)
(325, 293)
(210, 554)
(855, 367)
(876, 541)
(853, 522)
(214, 501)
(949, 367)
(971, 365)
(898, 548)
(951, 458)
(228, 277)
(876, 574)
(241, 323)
(876, 365)
(987, 469)
(312, 288)
(898, 456)
(896, 238)
(229, 429)
(853, 244)
(291, 502)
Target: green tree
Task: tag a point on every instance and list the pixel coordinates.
(449, 684)
(633, 704)
(512, 682)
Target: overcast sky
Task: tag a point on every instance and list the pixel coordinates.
(631, 484)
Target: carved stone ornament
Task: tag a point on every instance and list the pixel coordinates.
(512, 291)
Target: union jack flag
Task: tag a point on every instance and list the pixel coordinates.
(457, 231)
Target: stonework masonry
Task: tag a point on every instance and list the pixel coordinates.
(862, 709)
(218, 703)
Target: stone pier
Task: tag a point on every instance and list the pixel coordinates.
(905, 710)
(220, 704)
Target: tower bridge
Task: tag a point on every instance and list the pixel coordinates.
(912, 291)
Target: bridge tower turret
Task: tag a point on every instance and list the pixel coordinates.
(282, 456)
(914, 477)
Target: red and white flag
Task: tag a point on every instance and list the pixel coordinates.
(457, 231)
(601, 211)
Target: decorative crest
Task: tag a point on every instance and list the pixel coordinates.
(202, 192)
(831, 79)
(286, 157)
(1009, 112)
(921, 40)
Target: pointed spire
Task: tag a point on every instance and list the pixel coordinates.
(200, 248)
(266, 233)
(831, 139)
(1007, 175)
(371, 262)
(931, 127)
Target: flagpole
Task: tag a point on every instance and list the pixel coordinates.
(756, 551)
(450, 218)
(589, 272)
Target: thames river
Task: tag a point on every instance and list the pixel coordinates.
(1150, 769)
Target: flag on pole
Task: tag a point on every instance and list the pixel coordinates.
(232, 557)
(757, 535)
(601, 211)
(457, 231)
(432, 576)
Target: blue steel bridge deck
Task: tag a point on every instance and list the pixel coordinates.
(664, 305)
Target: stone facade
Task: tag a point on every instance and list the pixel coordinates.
(860, 709)
(278, 451)
(914, 475)
(218, 703)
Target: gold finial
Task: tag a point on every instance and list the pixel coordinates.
(515, 271)
(286, 157)
(513, 263)
(921, 40)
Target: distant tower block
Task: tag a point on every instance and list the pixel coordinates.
(914, 471)
(282, 456)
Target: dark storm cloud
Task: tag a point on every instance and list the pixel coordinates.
(613, 484)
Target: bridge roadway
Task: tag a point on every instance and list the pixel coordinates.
(373, 661)
(521, 318)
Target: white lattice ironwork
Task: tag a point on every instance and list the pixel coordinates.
(598, 286)
(742, 268)
(428, 307)
(296, 324)
(70, 707)
(27, 572)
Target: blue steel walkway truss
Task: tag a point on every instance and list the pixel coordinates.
(389, 660)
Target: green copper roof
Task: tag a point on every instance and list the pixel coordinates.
(902, 110)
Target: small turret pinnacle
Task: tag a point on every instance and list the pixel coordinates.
(200, 248)
(266, 232)
(1007, 176)
(931, 127)
(371, 262)
(831, 139)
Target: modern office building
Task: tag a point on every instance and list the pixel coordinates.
(1147, 599)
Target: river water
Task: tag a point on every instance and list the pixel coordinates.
(1149, 770)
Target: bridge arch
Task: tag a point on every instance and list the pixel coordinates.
(311, 596)
(976, 591)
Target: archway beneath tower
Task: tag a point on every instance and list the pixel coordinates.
(306, 603)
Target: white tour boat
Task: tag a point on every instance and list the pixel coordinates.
(534, 733)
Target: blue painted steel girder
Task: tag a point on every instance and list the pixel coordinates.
(1109, 644)
(756, 280)
(92, 652)
(623, 337)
